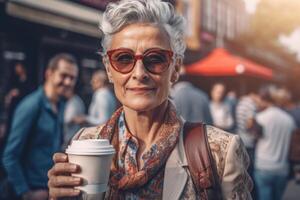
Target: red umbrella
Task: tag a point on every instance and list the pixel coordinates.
(221, 63)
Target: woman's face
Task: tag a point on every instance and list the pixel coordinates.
(141, 90)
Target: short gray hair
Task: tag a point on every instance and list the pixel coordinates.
(126, 12)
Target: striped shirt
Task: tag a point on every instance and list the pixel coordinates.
(245, 110)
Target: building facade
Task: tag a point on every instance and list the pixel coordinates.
(210, 23)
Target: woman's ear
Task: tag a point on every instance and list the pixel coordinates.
(106, 64)
(176, 72)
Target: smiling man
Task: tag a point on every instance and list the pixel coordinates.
(36, 131)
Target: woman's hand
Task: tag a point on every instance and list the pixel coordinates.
(61, 183)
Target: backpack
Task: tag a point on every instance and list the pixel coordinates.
(201, 164)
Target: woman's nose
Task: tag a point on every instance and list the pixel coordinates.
(139, 71)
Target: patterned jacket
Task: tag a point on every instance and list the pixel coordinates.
(230, 156)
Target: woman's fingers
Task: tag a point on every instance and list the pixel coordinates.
(64, 181)
(60, 183)
(63, 192)
(63, 168)
(60, 157)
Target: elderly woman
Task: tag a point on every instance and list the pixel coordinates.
(143, 50)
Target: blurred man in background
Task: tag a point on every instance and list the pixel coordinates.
(20, 86)
(245, 113)
(36, 132)
(103, 102)
(271, 153)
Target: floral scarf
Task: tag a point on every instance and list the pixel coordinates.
(126, 180)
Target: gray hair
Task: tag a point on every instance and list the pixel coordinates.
(126, 12)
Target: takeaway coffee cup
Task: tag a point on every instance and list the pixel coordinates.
(94, 156)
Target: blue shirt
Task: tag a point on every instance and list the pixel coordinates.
(36, 134)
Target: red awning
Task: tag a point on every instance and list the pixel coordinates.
(221, 63)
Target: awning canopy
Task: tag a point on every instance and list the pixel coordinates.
(58, 13)
(222, 63)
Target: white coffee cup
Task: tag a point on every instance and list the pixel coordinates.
(94, 156)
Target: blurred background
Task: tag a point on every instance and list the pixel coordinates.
(265, 32)
(242, 43)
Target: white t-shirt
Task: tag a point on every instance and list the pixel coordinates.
(102, 106)
(272, 149)
(221, 115)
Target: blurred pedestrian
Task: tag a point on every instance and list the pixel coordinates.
(271, 154)
(219, 109)
(191, 102)
(231, 100)
(74, 107)
(285, 100)
(246, 110)
(20, 86)
(36, 131)
(103, 102)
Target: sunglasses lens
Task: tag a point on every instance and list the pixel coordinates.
(157, 61)
(122, 61)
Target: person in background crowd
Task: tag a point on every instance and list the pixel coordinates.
(295, 113)
(246, 110)
(191, 102)
(232, 100)
(284, 99)
(103, 102)
(37, 130)
(74, 107)
(219, 110)
(271, 154)
(18, 89)
(143, 48)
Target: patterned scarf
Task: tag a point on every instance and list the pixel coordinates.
(124, 178)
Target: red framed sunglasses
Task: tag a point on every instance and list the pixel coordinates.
(155, 60)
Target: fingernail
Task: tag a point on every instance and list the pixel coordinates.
(78, 180)
(74, 167)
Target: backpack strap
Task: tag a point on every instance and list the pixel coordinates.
(201, 165)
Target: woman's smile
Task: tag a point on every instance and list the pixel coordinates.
(141, 90)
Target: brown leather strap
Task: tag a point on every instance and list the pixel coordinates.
(201, 164)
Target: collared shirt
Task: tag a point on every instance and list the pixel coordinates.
(36, 134)
(127, 154)
(102, 107)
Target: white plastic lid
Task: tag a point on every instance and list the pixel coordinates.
(90, 147)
